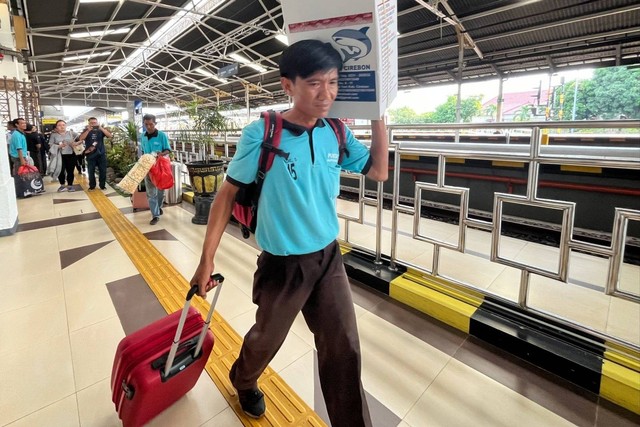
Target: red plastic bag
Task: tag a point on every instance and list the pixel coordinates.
(27, 169)
(160, 173)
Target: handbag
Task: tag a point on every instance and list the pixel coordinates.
(28, 181)
(90, 151)
(79, 149)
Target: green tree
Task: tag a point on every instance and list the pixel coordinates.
(523, 114)
(469, 108)
(445, 113)
(403, 116)
(610, 93)
(426, 117)
(491, 110)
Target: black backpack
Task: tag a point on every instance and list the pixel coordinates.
(245, 208)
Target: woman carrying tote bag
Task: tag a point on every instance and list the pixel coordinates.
(64, 141)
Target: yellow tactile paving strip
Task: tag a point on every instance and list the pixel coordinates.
(284, 406)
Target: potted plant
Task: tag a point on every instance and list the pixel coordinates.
(121, 151)
(206, 175)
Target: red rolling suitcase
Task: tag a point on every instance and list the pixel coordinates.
(161, 362)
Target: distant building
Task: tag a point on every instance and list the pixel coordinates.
(514, 101)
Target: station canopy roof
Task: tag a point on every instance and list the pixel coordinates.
(108, 53)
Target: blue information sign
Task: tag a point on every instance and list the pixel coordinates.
(137, 106)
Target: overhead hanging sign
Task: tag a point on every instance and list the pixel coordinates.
(365, 34)
(228, 71)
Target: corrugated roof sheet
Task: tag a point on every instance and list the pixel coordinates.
(511, 36)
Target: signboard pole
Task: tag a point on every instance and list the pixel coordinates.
(137, 120)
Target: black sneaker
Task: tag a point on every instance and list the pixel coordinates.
(252, 402)
(154, 221)
(161, 211)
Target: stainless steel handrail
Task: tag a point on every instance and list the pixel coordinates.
(534, 154)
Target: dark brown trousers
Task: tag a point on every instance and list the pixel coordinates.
(317, 285)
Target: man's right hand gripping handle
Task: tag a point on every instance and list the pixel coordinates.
(205, 280)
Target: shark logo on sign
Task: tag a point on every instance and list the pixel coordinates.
(354, 44)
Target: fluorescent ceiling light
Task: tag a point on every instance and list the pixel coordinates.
(73, 70)
(204, 72)
(168, 32)
(87, 56)
(209, 74)
(183, 81)
(239, 58)
(259, 68)
(99, 33)
(282, 38)
(98, 1)
(248, 63)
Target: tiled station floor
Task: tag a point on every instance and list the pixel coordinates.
(69, 293)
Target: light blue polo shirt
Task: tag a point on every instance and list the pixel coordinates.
(154, 142)
(18, 142)
(297, 210)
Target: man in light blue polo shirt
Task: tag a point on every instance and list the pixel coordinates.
(18, 145)
(300, 268)
(156, 142)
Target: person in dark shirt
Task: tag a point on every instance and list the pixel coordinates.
(44, 150)
(94, 135)
(34, 146)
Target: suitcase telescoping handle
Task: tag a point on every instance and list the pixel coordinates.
(216, 277)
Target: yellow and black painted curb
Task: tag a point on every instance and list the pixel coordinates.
(284, 406)
(607, 369)
(437, 298)
(620, 382)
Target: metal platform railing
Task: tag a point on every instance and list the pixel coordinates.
(534, 155)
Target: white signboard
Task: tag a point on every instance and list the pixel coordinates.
(365, 34)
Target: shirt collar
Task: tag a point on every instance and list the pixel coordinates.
(151, 135)
(298, 130)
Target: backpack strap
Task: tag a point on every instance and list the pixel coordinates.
(341, 134)
(271, 140)
(270, 144)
